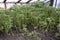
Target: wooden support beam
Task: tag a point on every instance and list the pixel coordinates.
(51, 2)
(4, 1)
(18, 1)
(28, 1)
(5, 4)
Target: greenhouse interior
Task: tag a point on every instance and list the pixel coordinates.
(29, 20)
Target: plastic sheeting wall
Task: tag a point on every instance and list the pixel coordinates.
(9, 5)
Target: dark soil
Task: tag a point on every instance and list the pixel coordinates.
(22, 36)
(17, 36)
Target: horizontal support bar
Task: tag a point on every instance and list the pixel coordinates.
(14, 2)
